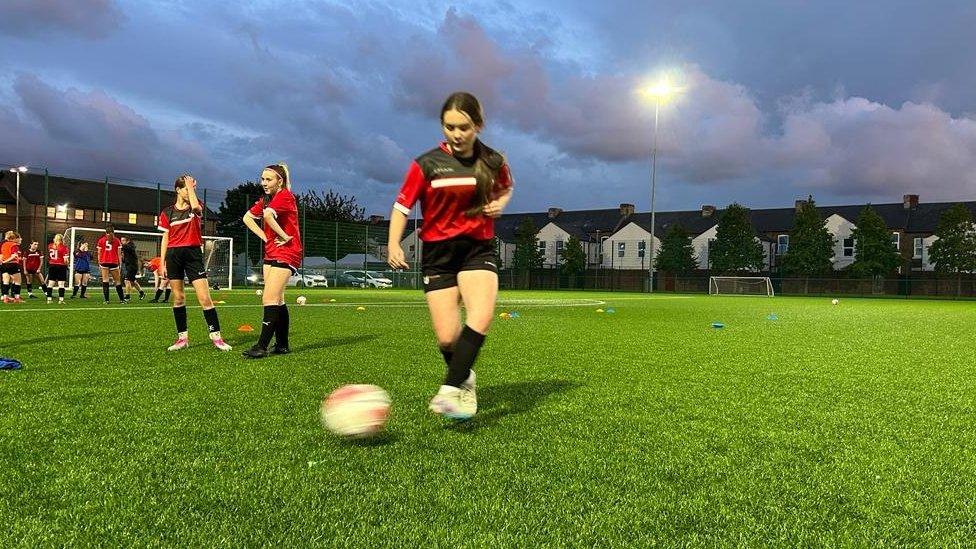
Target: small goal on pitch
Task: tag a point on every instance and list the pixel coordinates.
(218, 252)
(740, 285)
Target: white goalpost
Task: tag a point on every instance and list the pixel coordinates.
(218, 252)
(740, 285)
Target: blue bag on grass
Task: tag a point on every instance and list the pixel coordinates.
(9, 364)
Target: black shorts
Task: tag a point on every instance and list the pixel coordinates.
(441, 261)
(129, 272)
(34, 272)
(10, 268)
(281, 265)
(80, 272)
(109, 266)
(185, 262)
(57, 273)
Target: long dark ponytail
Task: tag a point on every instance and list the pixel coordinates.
(488, 163)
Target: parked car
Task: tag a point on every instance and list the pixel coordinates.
(367, 279)
(308, 281)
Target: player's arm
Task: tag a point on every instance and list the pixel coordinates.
(251, 223)
(271, 219)
(162, 253)
(501, 195)
(394, 255)
(191, 193)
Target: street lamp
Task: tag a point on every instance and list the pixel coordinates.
(659, 92)
(19, 170)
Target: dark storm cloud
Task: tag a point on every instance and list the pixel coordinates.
(34, 18)
(92, 134)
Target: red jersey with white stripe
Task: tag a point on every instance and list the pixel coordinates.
(183, 226)
(108, 250)
(57, 254)
(285, 210)
(32, 262)
(445, 186)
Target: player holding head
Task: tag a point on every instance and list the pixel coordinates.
(10, 259)
(130, 268)
(183, 259)
(462, 185)
(159, 282)
(32, 270)
(108, 262)
(282, 254)
(82, 270)
(57, 267)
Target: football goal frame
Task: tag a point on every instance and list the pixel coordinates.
(741, 286)
(218, 252)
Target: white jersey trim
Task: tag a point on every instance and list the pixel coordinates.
(454, 182)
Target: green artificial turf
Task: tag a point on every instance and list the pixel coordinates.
(831, 425)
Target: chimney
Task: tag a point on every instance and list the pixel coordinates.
(626, 209)
(707, 210)
(554, 212)
(910, 201)
(374, 219)
(798, 204)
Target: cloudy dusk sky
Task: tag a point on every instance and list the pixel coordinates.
(852, 101)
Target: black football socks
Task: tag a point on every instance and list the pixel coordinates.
(281, 329)
(465, 353)
(268, 325)
(179, 313)
(213, 323)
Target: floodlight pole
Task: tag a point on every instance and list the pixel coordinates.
(650, 268)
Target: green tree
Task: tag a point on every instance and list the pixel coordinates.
(955, 250)
(735, 248)
(676, 254)
(236, 202)
(874, 255)
(332, 206)
(527, 255)
(811, 244)
(573, 256)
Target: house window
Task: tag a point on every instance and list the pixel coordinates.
(896, 241)
(559, 248)
(412, 248)
(107, 216)
(621, 249)
(641, 246)
(917, 245)
(542, 246)
(782, 243)
(3, 209)
(133, 219)
(50, 211)
(156, 220)
(79, 214)
(849, 247)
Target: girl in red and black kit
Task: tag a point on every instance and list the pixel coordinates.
(32, 270)
(57, 267)
(462, 185)
(183, 259)
(108, 262)
(282, 255)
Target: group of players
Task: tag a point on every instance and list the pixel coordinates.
(117, 260)
(462, 185)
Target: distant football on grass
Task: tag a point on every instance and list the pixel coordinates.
(834, 301)
(258, 292)
(301, 300)
(356, 411)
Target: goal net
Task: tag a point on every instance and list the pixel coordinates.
(218, 252)
(740, 285)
